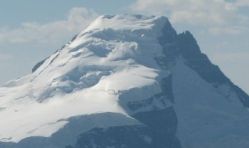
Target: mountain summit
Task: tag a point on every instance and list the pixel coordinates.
(126, 81)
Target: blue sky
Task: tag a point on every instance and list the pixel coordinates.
(30, 30)
(14, 12)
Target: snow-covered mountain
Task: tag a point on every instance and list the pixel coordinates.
(126, 81)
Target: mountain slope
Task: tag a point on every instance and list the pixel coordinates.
(125, 81)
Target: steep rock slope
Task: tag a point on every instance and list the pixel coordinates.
(126, 81)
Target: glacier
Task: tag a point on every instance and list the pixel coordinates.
(126, 81)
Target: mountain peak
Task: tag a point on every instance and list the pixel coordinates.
(128, 74)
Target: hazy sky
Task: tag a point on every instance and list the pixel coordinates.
(30, 30)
